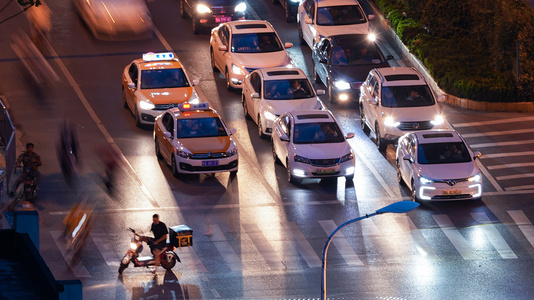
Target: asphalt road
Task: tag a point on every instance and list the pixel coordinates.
(256, 236)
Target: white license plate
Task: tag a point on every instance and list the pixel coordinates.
(210, 163)
(326, 171)
(452, 192)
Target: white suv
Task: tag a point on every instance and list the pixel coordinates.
(394, 101)
(322, 18)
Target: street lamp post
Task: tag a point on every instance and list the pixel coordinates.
(397, 207)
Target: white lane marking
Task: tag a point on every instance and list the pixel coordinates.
(107, 252)
(374, 171)
(497, 167)
(493, 122)
(524, 224)
(507, 154)
(372, 232)
(341, 243)
(421, 244)
(215, 293)
(490, 178)
(517, 176)
(252, 12)
(189, 257)
(303, 246)
(79, 269)
(455, 237)
(493, 235)
(225, 248)
(270, 256)
(520, 187)
(100, 125)
(494, 133)
(502, 144)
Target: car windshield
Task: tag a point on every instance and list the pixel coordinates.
(356, 52)
(443, 153)
(340, 15)
(287, 89)
(406, 96)
(311, 133)
(200, 127)
(163, 78)
(256, 42)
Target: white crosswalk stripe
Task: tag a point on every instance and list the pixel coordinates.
(341, 243)
(421, 244)
(524, 224)
(225, 249)
(109, 255)
(371, 231)
(455, 237)
(493, 235)
(79, 269)
(189, 257)
(264, 247)
(304, 248)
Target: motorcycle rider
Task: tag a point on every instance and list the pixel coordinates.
(160, 239)
(30, 162)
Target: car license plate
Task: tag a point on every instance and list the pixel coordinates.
(222, 19)
(210, 163)
(326, 171)
(451, 192)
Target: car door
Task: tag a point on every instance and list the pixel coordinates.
(132, 76)
(372, 109)
(167, 148)
(408, 166)
(323, 54)
(307, 20)
(283, 127)
(221, 39)
(256, 102)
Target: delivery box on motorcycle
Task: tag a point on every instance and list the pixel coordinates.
(181, 236)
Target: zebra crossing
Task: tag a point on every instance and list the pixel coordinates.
(375, 243)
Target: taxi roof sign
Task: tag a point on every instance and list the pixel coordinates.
(151, 56)
(189, 106)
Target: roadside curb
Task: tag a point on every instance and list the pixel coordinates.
(450, 99)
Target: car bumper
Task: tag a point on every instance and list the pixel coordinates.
(301, 170)
(148, 116)
(236, 80)
(350, 95)
(444, 192)
(199, 166)
(392, 134)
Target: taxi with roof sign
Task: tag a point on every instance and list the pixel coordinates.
(193, 139)
(154, 83)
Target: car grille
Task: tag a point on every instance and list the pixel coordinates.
(208, 155)
(325, 162)
(219, 10)
(452, 197)
(423, 125)
(451, 182)
(165, 106)
(191, 168)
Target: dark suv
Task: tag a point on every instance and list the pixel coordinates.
(209, 13)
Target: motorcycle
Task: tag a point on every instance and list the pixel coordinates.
(29, 188)
(168, 257)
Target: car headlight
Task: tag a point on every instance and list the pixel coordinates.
(241, 7)
(301, 159)
(146, 104)
(203, 9)
(425, 180)
(438, 120)
(371, 37)
(133, 246)
(341, 85)
(390, 121)
(183, 153)
(475, 178)
(237, 70)
(346, 157)
(231, 152)
(269, 115)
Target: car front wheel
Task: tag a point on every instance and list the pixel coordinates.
(399, 175)
(380, 142)
(292, 179)
(260, 129)
(245, 107)
(365, 129)
(414, 192)
(174, 167)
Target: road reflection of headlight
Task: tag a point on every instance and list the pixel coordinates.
(341, 85)
(390, 121)
(146, 104)
(203, 9)
(438, 120)
(241, 7)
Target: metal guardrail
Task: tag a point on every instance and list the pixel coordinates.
(7, 140)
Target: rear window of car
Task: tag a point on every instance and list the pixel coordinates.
(443, 153)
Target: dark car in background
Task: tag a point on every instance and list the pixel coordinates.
(342, 62)
(209, 13)
(291, 8)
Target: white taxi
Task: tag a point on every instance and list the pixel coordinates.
(269, 92)
(437, 165)
(193, 139)
(155, 83)
(239, 47)
(323, 18)
(311, 144)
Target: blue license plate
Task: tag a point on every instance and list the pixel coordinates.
(210, 163)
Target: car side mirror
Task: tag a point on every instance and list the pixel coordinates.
(167, 134)
(321, 92)
(371, 17)
(308, 21)
(284, 137)
(323, 61)
(288, 45)
(223, 48)
(407, 157)
(442, 98)
(477, 154)
(195, 82)
(254, 95)
(131, 85)
(232, 131)
(350, 135)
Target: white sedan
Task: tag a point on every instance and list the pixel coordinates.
(437, 165)
(311, 144)
(239, 47)
(267, 93)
